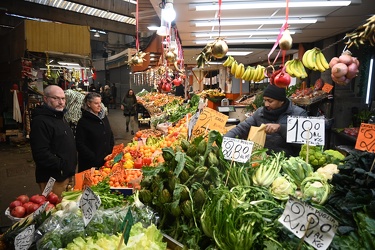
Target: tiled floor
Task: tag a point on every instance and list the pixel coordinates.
(17, 166)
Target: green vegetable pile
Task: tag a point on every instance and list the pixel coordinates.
(316, 157)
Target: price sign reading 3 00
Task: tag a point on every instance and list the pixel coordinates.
(303, 130)
(238, 150)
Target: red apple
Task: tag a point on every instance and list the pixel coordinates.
(14, 204)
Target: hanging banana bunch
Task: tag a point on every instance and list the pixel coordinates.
(364, 33)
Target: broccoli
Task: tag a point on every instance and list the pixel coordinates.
(316, 157)
(51, 240)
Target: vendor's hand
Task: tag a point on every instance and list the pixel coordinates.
(272, 128)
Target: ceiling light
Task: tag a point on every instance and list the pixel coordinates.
(96, 34)
(254, 21)
(249, 40)
(242, 33)
(168, 13)
(163, 31)
(68, 64)
(238, 53)
(153, 27)
(266, 5)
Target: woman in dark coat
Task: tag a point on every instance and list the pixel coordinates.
(94, 136)
(129, 106)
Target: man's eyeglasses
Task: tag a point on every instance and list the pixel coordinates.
(57, 98)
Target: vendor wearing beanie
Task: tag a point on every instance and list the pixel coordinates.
(277, 107)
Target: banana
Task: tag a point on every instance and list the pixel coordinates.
(256, 73)
(262, 76)
(288, 67)
(239, 70)
(233, 68)
(245, 75)
(305, 60)
(323, 60)
(311, 60)
(228, 62)
(251, 74)
(318, 63)
(300, 69)
(259, 73)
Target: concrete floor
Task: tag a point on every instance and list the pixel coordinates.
(17, 166)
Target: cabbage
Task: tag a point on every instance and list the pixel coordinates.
(281, 188)
(315, 188)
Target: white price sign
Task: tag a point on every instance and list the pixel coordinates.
(48, 187)
(89, 203)
(24, 239)
(236, 149)
(303, 130)
(193, 120)
(317, 228)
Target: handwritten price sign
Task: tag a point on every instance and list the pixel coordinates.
(89, 203)
(209, 119)
(24, 239)
(366, 138)
(238, 150)
(304, 130)
(317, 228)
(49, 186)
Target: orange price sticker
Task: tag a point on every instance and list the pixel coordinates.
(327, 87)
(366, 138)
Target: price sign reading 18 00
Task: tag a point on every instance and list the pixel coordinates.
(238, 150)
(303, 130)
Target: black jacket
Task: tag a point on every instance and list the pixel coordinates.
(276, 141)
(130, 106)
(52, 145)
(94, 140)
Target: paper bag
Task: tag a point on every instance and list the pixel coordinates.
(258, 136)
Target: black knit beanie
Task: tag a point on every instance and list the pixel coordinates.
(275, 92)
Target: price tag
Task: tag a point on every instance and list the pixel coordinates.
(303, 220)
(303, 130)
(126, 226)
(209, 120)
(48, 187)
(24, 239)
(327, 87)
(366, 138)
(192, 122)
(40, 209)
(236, 149)
(89, 203)
(118, 157)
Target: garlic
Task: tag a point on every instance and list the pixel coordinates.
(286, 41)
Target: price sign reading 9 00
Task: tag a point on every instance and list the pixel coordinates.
(303, 130)
(303, 220)
(238, 150)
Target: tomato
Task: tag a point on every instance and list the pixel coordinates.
(147, 161)
(138, 163)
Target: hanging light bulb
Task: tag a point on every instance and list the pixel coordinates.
(169, 14)
(96, 34)
(163, 30)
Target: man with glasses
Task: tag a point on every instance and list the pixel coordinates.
(52, 141)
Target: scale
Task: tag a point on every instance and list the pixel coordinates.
(226, 109)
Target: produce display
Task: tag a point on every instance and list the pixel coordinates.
(344, 68)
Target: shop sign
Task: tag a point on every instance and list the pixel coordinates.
(305, 130)
(366, 138)
(308, 223)
(89, 203)
(236, 149)
(208, 120)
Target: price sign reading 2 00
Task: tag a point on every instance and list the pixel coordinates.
(303, 130)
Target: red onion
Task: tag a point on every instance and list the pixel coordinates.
(334, 60)
(346, 59)
(352, 70)
(339, 69)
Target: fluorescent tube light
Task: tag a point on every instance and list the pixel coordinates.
(266, 5)
(68, 64)
(153, 27)
(368, 92)
(242, 33)
(254, 21)
(249, 40)
(239, 53)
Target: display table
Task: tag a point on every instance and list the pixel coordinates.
(341, 138)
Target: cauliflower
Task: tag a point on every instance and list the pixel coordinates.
(328, 170)
(281, 188)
